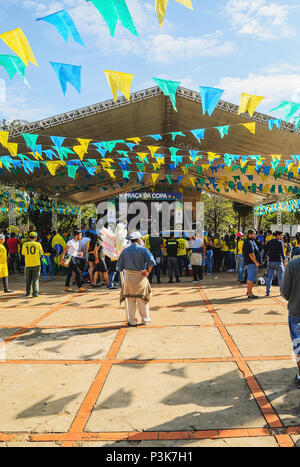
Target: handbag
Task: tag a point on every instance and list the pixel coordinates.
(66, 261)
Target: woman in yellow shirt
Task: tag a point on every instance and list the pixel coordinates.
(3, 265)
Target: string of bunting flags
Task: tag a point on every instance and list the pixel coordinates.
(291, 205)
(23, 203)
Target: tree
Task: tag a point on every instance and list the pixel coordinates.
(218, 213)
(243, 211)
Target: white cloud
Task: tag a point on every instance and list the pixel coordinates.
(274, 87)
(22, 106)
(166, 48)
(260, 18)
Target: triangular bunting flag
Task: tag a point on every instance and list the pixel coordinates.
(30, 140)
(199, 134)
(17, 41)
(249, 126)
(289, 109)
(114, 10)
(64, 24)
(209, 98)
(169, 88)
(161, 7)
(4, 138)
(119, 81)
(249, 102)
(13, 65)
(68, 74)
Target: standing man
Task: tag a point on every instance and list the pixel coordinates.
(251, 261)
(277, 262)
(182, 256)
(290, 290)
(32, 250)
(155, 244)
(137, 262)
(172, 247)
(73, 248)
(13, 247)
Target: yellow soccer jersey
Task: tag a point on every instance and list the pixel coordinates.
(146, 241)
(183, 244)
(224, 246)
(268, 238)
(32, 252)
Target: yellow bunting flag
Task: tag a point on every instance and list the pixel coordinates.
(185, 170)
(243, 163)
(153, 149)
(13, 148)
(276, 157)
(228, 169)
(155, 165)
(249, 102)
(53, 166)
(286, 188)
(264, 177)
(84, 143)
(212, 156)
(251, 169)
(111, 173)
(250, 127)
(119, 81)
(161, 7)
(105, 163)
(142, 155)
(135, 140)
(154, 178)
(4, 138)
(36, 155)
(206, 166)
(192, 179)
(160, 161)
(17, 41)
(295, 171)
(266, 189)
(80, 151)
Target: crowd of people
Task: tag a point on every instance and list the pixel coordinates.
(81, 256)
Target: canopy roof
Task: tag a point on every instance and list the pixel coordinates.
(149, 112)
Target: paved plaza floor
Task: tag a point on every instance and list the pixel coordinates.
(212, 369)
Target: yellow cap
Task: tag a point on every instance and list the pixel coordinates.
(33, 234)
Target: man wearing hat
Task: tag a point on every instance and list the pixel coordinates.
(3, 264)
(32, 250)
(137, 262)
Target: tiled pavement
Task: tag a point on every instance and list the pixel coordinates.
(213, 368)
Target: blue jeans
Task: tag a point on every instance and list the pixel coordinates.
(183, 262)
(156, 269)
(111, 279)
(272, 267)
(208, 266)
(44, 267)
(240, 267)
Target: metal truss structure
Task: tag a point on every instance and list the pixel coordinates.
(136, 97)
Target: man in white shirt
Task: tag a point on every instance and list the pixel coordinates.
(75, 253)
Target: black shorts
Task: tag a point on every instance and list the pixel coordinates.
(91, 257)
(101, 266)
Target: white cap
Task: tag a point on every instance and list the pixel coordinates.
(135, 235)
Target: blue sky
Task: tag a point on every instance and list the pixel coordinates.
(239, 45)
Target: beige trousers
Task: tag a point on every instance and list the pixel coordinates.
(142, 306)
